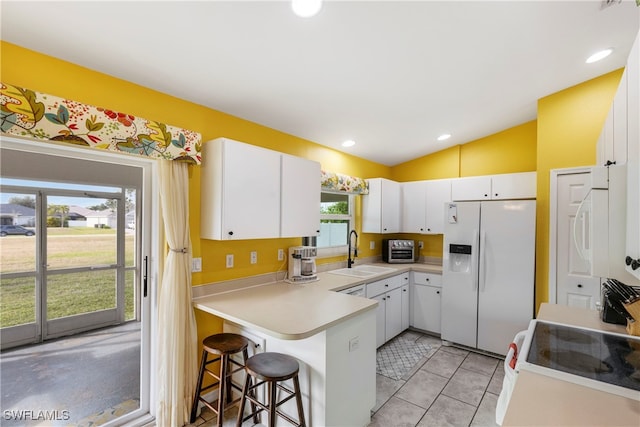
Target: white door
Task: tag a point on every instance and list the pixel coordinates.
(506, 272)
(575, 286)
(460, 273)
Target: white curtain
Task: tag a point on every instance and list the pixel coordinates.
(177, 334)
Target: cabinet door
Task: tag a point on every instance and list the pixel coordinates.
(604, 146)
(471, 188)
(513, 186)
(380, 320)
(619, 126)
(300, 197)
(425, 306)
(633, 162)
(438, 193)
(393, 313)
(240, 191)
(390, 206)
(251, 195)
(405, 307)
(414, 202)
(381, 207)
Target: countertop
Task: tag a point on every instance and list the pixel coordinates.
(297, 311)
(541, 400)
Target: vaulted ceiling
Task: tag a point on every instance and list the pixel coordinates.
(391, 75)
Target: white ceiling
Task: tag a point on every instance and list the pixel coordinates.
(391, 75)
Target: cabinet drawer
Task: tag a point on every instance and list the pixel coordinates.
(430, 279)
(381, 286)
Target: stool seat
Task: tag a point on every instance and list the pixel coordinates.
(272, 366)
(271, 369)
(225, 343)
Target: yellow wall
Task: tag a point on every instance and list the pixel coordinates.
(564, 135)
(46, 74)
(509, 151)
(569, 124)
(512, 150)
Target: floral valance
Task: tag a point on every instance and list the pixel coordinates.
(24, 112)
(332, 181)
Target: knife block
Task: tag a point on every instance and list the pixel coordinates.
(633, 328)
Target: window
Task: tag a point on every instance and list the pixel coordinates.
(336, 220)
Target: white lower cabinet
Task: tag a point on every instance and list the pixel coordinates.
(392, 314)
(426, 293)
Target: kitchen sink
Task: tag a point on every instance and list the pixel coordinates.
(362, 271)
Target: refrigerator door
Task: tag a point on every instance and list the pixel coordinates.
(460, 273)
(506, 272)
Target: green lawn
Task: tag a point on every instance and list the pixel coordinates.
(67, 294)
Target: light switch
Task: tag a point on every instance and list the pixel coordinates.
(354, 343)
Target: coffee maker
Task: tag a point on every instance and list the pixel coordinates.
(302, 264)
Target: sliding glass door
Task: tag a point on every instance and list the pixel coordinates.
(73, 269)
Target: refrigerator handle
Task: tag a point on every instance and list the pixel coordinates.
(483, 261)
(474, 261)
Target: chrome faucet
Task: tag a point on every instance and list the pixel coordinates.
(350, 261)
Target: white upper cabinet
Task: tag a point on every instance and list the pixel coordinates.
(381, 207)
(438, 193)
(633, 162)
(612, 145)
(300, 210)
(513, 186)
(243, 193)
(471, 188)
(495, 187)
(414, 205)
(422, 203)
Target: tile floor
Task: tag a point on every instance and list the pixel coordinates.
(448, 387)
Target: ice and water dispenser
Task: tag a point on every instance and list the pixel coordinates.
(459, 258)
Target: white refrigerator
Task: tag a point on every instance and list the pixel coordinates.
(488, 272)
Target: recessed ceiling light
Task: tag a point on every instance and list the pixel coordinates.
(599, 55)
(306, 8)
(444, 137)
(349, 143)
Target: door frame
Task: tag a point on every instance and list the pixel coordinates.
(553, 225)
(149, 234)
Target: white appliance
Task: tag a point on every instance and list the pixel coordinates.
(302, 264)
(488, 272)
(599, 228)
(604, 361)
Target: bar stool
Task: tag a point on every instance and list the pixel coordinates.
(222, 345)
(271, 368)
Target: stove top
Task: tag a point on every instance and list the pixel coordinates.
(604, 357)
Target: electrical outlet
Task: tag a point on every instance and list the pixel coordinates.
(196, 265)
(420, 244)
(280, 254)
(372, 245)
(254, 257)
(229, 260)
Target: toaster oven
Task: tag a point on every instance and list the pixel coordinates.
(397, 251)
